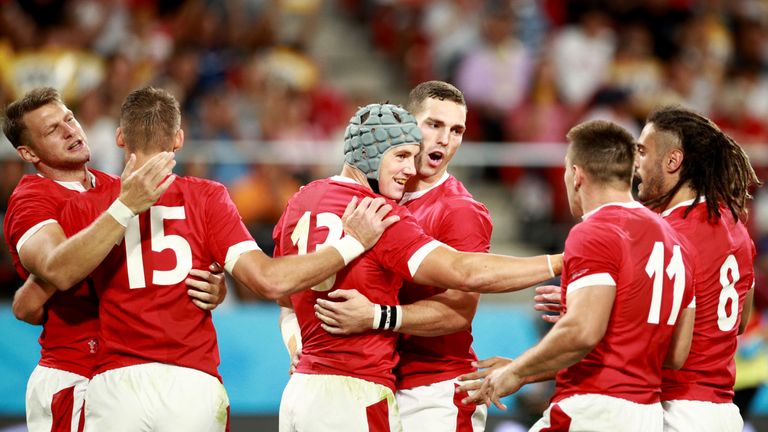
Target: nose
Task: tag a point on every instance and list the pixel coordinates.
(69, 128)
(410, 168)
(443, 136)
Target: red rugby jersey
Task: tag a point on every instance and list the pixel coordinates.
(635, 250)
(449, 213)
(145, 312)
(313, 218)
(724, 273)
(68, 340)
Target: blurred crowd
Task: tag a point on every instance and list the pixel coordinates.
(530, 69)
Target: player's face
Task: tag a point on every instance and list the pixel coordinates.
(56, 137)
(397, 166)
(574, 201)
(442, 125)
(649, 165)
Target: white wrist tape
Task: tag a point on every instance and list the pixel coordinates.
(376, 316)
(349, 248)
(549, 265)
(289, 328)
(387, 317)
(120, 212)
(399, 317)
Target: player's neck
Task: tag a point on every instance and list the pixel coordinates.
(684, 194)
(418, 183)
(79, 174)
(141, 158)
(356, 175)
(597, 197)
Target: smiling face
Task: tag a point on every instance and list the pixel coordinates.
(442, 124)
(397, 166)
(649, 166)
(55, 138)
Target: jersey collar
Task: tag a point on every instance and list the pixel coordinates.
(669, 211)
(410, 196)
(74, 185)
(627, 204)
(342, 179)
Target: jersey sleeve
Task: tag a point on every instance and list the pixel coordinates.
(592, 257)
(228, 237)
(27, 213)
(404, 245)
(467, 228)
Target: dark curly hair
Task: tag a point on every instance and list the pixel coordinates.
(714, 165)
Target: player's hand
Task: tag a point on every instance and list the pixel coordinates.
(501, 382)
(366, 221)
(547, 299)
(472, 381)
(352, 313)
(294, 362)
(210, 287)
(141, 188)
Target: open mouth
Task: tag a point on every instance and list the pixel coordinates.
(435, 157)
(401, 181)
(75, 145)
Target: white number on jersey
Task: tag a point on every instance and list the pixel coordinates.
(675, 272)
(159, 242)
(300, 238)
(727, 319)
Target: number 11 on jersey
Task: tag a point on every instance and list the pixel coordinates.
(675, 272)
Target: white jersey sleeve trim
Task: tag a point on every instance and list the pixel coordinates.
(418, 257)
(235, 251)
(32, 231)
(692, 305)
(590, 280)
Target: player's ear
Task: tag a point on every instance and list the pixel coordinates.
(674, 160)
(178, 140)
(578, 177)
(27, 154)
(119, 139)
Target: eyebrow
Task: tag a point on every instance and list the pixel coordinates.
(55, 124)
(442, 123)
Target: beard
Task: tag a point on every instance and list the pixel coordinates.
(650, 187)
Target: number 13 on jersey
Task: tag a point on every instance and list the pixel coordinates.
(300, 238)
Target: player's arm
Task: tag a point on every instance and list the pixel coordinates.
(746, 310)
(485, 273)
(273, 278)
(29, 300)
(349, 312)
(289, 327)
(681, 339)
(569, 341)
(63, 262)
(290, 331)
(441, 314)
